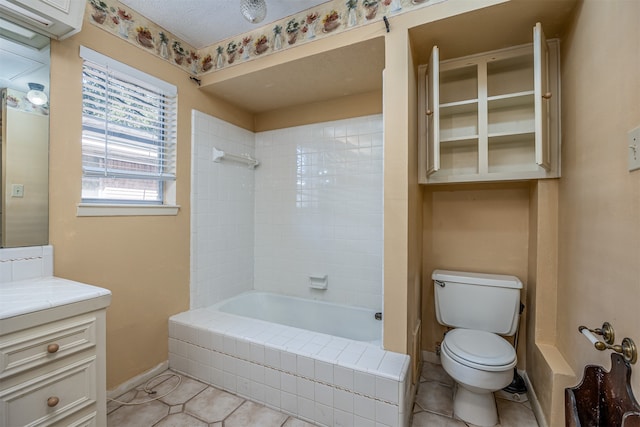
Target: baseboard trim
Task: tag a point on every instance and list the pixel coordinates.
(533, 399)
(137, 380)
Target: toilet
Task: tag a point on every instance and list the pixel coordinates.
(479, 307)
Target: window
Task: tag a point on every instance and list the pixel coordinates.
(128, 134)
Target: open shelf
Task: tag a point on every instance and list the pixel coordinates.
(510, 75)
(458, 84)
(512, 153)
(459, 158)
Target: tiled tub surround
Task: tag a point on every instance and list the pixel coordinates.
(326, 380)
(319, 210)
(313, 207)
(222, 205)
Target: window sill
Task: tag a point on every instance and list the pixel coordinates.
(96, 209)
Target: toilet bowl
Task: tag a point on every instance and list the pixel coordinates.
(479, 308)
(480, 363)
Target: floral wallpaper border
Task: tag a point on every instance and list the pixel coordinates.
(18, 101)
(329, 18)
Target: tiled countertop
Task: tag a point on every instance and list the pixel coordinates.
(27, 296)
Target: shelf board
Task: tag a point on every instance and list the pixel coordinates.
(459, 107)
(510, 137)
(511, 100)
(460, 140)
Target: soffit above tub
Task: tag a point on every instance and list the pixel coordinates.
(202, 23)
(349, 70)
(357, 68)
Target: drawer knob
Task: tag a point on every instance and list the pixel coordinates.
(53, 348)
(547, 95)
(52, 401)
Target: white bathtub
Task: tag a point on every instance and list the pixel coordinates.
(353, 323)
(254, 345)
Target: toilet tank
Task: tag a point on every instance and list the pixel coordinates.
(488, 302)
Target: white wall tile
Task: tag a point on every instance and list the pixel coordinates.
(324, 372)
(323, 415)
(272, 397)
(222, 206)
(306, 409)
(324, 394)
(343, 419)
(363, 422)
(387, 390)
(317, 189)
(343, 400)
(343, 377)
(289, 402)
(305, 388)
(272, 357)
(386, 414)
(364, 383)
(305, 367)
(272, 378)
(288, 383)
(364, 407)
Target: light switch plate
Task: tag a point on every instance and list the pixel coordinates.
(634, 149)
(17, 190)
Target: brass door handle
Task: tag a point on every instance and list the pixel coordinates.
(547, 95)
(428, 112)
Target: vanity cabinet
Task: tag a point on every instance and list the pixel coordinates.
(491, 116)
(52, 366)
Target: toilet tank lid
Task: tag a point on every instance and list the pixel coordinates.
(499, 280)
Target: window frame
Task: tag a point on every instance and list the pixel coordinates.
(166, 181)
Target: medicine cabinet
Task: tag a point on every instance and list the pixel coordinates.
(491, 116)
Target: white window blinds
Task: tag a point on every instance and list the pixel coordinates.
(128, 132)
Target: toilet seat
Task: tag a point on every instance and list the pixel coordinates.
(479, 349)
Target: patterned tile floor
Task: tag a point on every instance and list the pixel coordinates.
(195, 404)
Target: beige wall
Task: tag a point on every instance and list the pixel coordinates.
(599, 210)
(144, 261)
(588, 226)
(482, 228)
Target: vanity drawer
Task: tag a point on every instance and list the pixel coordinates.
(49, 398)
(33, 347)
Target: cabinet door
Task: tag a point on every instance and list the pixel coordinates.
(433, 112)
(541, 96)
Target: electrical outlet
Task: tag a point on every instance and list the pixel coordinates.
(17, 190)
(634, 149)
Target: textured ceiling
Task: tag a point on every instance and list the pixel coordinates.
(202, 23)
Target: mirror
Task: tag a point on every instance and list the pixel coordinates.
(24, 137)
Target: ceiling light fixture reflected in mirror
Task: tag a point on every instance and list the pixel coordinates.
(36, 95)
(254, 11)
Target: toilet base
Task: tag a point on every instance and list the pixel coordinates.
(475, 408)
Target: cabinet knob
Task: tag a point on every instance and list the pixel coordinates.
(428, 112)
(547, 95)
(52, 401)
(53, 348)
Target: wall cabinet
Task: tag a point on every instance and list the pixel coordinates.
(491, 116)
(57, 19)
